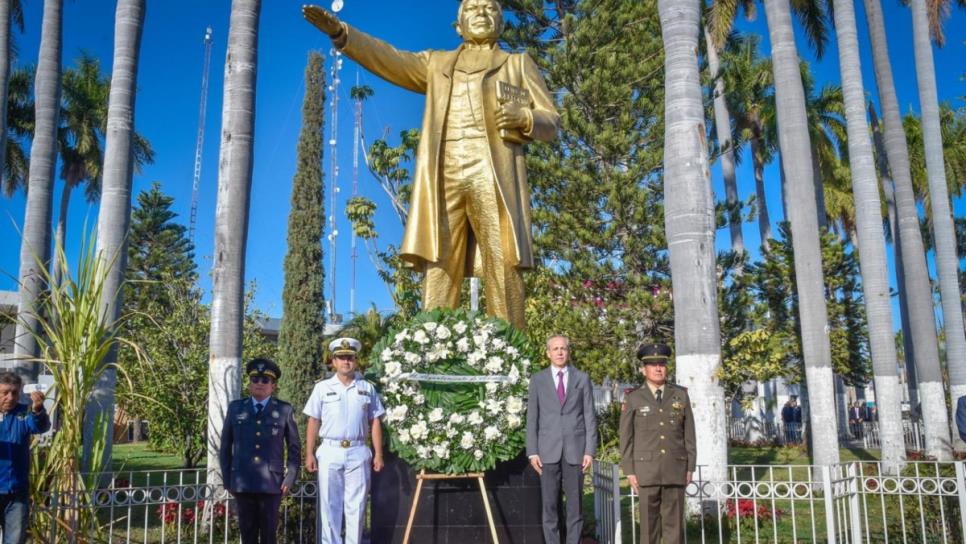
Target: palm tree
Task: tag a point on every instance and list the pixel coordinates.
(114, 215)
(918, 291)
(889, 194)
(85, 92)
(944, 231)
(868, 213)
(689, 225)
(35, 246)
(20, 128)
(716, 30)
(83, 125)
(797, 161)
(748, 76)
(231, 221)
(11, 12)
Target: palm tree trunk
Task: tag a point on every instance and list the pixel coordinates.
(35, 246)
(796, 156)
(5, 27)
(872, 262)
(231, 222)
(821, 214)
(690, 227)
(918, 291)
(60, 232)
(888, 192)
(758, 163)
(722, 122)
(947, 260)
(115, 209)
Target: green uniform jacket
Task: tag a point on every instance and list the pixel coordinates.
(657, 439)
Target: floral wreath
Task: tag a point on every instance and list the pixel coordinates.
(454, 385)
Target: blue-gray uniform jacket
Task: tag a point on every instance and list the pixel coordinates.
(252, 453)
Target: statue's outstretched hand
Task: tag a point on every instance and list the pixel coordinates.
(322, 19)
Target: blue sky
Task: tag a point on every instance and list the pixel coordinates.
(167, 110)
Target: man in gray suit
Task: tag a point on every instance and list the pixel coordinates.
(561, 437)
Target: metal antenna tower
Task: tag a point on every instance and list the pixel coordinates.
(196, 180)
(357, 143)
(334, 177)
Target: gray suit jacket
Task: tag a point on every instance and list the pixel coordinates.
(556, 432)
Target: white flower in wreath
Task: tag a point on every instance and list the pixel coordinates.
(412, 358)
(478, 454)
(420, 337)
(398, 413)
(525, 363)
(514, 405)
(456, 419)
(490, 433)
(475, 418)
(459, 327)
(401, 337)
(467, 440)
(392, 387)
(419, 430)
(479, 340)
(492, 387)
(513, 421)
(438, 352)
(404, 436)
(442, 332)
(494, 364)
(441, 451)
(514, 374)
(512, 352)
(463, 345)
(498, 344)
(430, 326)
(393, 369)
(451, 431)
(386, 355)
(475, 359)
(494, 406)
(436, 415)
(419, 399)
(424, 452)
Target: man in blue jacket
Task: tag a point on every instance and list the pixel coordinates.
(17, 423)
(259, 430)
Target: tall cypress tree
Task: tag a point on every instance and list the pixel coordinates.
(300, 347)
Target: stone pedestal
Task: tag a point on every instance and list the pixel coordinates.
(451, 511)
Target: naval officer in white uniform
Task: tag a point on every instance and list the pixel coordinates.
(341, 411)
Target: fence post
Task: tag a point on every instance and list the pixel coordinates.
(616, 479)
(961, 493)
(829, 499)
(855, 515)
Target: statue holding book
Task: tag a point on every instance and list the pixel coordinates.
(470, 207)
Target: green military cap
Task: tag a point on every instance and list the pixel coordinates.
(653, 354)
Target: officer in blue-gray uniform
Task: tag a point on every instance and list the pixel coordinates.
(341, 411)
(257, 432)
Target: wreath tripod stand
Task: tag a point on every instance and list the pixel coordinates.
(422, 476)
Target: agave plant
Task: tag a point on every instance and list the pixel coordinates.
(75, 338)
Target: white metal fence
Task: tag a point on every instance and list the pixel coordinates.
(863, 435)
(170, 506)
(846, 503)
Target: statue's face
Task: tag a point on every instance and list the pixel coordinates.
(480, 21)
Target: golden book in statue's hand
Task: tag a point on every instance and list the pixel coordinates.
(511, 94)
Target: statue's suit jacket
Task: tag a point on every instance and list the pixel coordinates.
(556, 432)
(431, 73)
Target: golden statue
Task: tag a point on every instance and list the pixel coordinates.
(470, 199)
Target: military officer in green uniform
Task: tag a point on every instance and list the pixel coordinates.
(658, 447)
